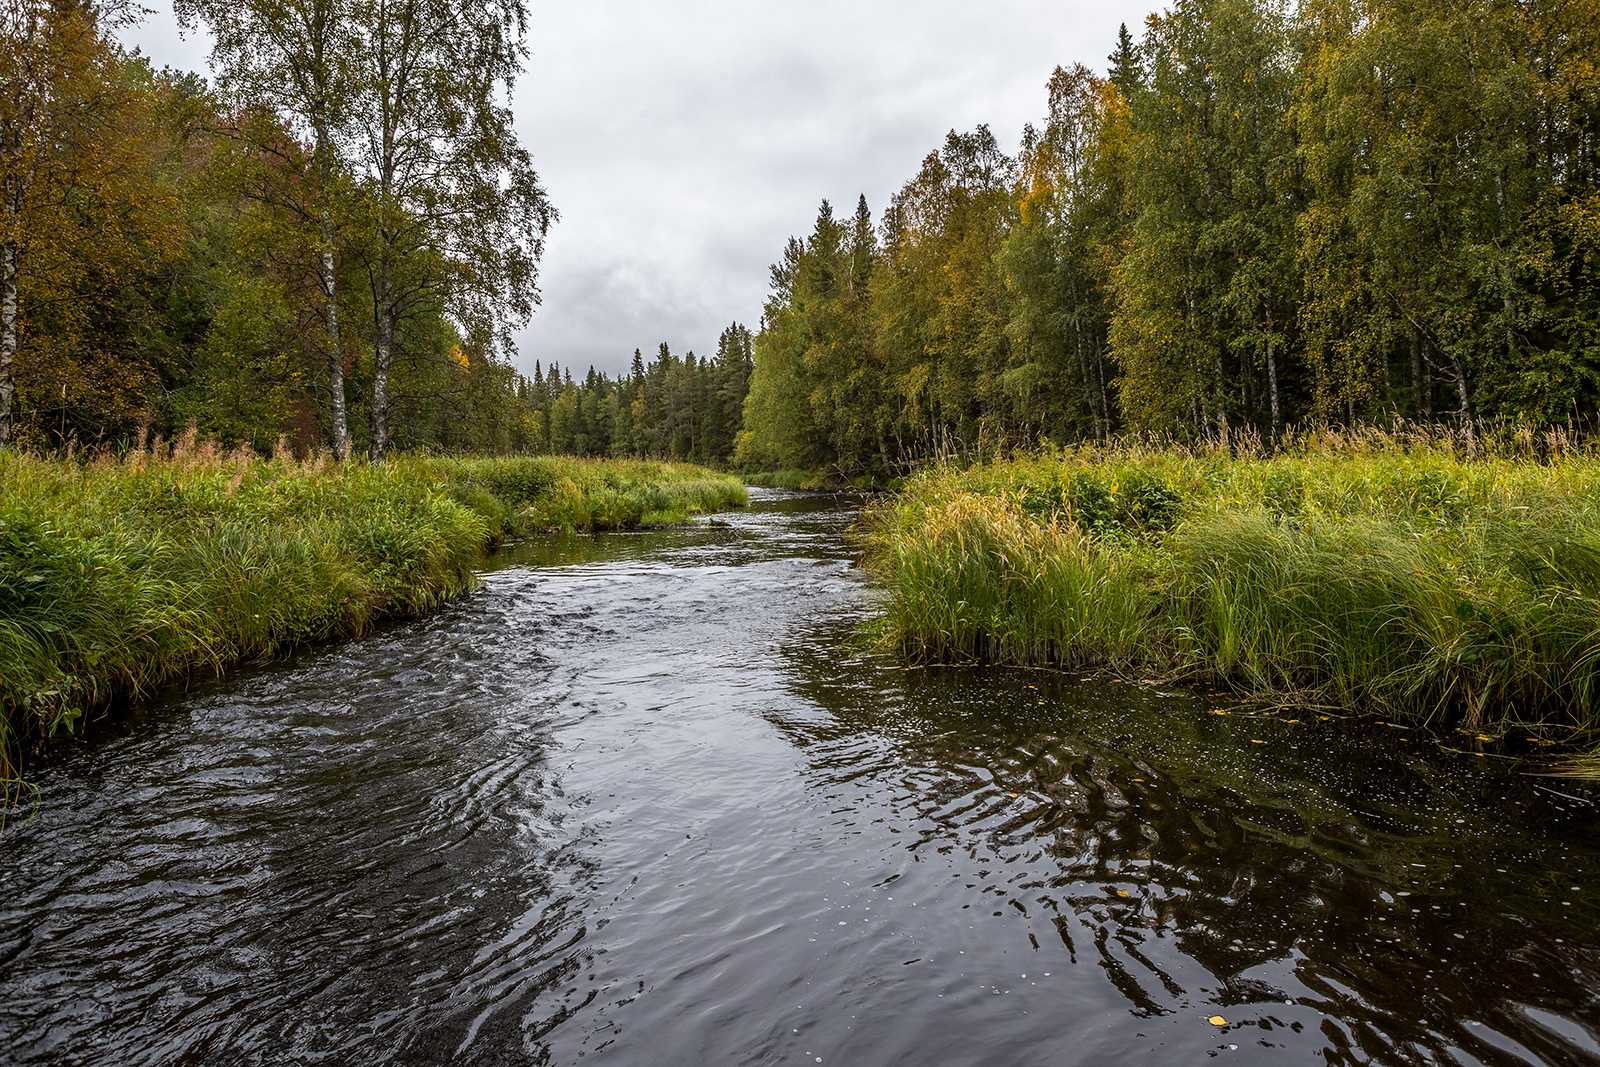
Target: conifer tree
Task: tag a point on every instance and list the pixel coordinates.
(1127, 71)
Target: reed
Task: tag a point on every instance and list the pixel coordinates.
(120, 574)
(1396, 576)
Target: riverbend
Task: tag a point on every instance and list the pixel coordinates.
(649, 798)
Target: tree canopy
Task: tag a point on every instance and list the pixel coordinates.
(1263, 213)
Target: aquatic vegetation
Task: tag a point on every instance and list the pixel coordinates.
(118, 575)
(1398, 579)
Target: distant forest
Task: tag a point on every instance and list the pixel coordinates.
(678, 407)
(1261, 214)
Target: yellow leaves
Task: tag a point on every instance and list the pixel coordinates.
(1217, 1020)
(458, 356)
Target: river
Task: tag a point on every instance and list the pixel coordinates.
(651, 799)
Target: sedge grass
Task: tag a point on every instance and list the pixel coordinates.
(121, 574)
(1403, 580)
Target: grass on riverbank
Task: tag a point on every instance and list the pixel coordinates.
(812, 481)
(117, 576)
(1401, 581)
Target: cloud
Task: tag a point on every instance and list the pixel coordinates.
(683, 142)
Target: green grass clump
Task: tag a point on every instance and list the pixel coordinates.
(1402, 580)
(119, 575)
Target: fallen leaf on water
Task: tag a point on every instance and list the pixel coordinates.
(1217, 1020)
(1013, 794)
(1218, 711)
(1123, 893)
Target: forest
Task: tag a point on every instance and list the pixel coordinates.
(1263, 215)
(329, 244)
(681, 408)
(1260, 215)
(247, 259)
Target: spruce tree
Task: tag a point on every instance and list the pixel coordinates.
(1127, 71)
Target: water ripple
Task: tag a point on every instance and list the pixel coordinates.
(646, 798)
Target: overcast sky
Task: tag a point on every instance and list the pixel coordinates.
(684, 140)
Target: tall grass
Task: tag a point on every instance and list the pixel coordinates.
(812, 481)
(1394, 577)
(119, 575)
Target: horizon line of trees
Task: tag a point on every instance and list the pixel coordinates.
(680, 408)
(1264, 213)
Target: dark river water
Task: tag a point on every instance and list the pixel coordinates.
(651, 799)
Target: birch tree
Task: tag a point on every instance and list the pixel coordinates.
(291, 58)
(459, 217)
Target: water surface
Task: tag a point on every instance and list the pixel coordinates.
(648, 799)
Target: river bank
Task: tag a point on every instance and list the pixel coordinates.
(119, 575)
(648, 798)
(1406, 583)
(815, 481)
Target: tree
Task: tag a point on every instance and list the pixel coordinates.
(59, 103)
(292, 59)
(1127, 71)
(1055, 383)
(1421, 127)
(1206, 292)
(458, 217)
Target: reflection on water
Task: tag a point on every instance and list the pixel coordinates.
(645, 798)
(1324, 892)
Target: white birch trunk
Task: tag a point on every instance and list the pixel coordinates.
(339, 430)
(1272, 387)
(8, 337)
(380, 368)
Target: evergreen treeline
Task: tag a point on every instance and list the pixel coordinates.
(688, 408)
(332, 242)
(1264, 213)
